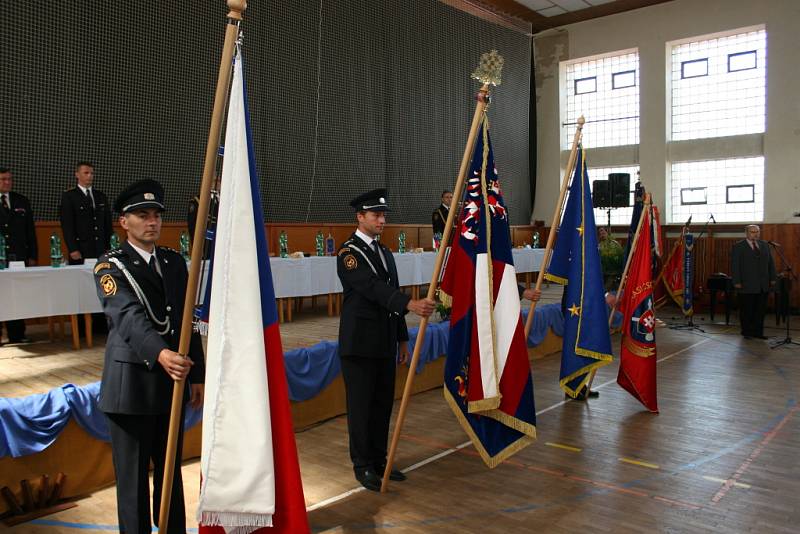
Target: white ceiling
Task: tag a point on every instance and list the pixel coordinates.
(551, 8)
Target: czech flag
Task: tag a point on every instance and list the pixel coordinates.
(249, 466)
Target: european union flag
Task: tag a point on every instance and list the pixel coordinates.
(576, 264)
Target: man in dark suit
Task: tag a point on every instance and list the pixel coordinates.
(85, 217)
(372, 324)
(439, 216)
(142, 289)
(16, 225)
(753, 275)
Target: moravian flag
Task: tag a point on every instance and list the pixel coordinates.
(488, 382)
(576, 264)
(249, 466)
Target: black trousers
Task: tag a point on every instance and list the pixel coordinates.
(136, 440)
(369, 385)
(752, 309)
(15, 330)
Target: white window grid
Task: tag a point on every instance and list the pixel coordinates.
(716, 176)
(720, 103)
(612, 115)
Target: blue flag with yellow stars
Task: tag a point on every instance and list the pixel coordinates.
(576, 264)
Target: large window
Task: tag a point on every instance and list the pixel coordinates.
(719, 86)
(732, 190)
(606, 92)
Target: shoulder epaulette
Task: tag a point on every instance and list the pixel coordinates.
(168, 249)
(343, 250)
(114, 252)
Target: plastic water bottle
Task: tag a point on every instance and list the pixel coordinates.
(320, 243)
(56, 258)
(283, 244)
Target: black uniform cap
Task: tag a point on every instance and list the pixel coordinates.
(374, 200)
(140, 195)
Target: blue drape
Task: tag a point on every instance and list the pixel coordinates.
(31, 424)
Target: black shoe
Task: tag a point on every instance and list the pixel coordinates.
(395, 474)
(761, 337)
(748, 337)
(29, 340)
(369, 479)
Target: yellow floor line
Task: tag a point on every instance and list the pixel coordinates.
(723, 481)
(560, 446)
(637, 462)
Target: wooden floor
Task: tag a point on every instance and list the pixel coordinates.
(721, 457)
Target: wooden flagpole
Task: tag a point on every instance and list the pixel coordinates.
(624, 278)
(551, 236)
(489, 73)
(236, 7)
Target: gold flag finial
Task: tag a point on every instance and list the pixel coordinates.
(489, 69)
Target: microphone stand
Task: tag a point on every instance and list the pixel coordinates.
(785, 292)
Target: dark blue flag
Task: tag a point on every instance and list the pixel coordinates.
(576, 264)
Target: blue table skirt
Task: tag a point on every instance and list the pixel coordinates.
(30, 424)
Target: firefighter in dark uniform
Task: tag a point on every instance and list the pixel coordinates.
(372, 325)
(85, 217)
(439, 216)
(142, 288)
(16, 225)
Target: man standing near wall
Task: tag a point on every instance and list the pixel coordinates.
(16, 225)
(753, 275)
(85, 217)
(371, 327)
(439, 216)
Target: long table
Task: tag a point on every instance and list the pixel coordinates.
(70, 290)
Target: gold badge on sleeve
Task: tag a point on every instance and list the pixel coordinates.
(108, 285)
(350, 262)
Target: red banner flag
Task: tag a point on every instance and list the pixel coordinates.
(672, 274)
(637, 368)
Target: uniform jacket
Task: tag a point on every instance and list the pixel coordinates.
(86, 228)
(374, 308)
(439, 219)
(133, 380)
(753, 270)
(18, 229)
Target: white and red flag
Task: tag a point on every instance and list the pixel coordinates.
(249, 466)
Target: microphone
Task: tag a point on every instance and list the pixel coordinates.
(689, 221)
(711, 217)
(774, 244)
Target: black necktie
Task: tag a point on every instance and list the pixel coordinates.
(153, 266)
(5, 202)
(90, 196)
(377, 250)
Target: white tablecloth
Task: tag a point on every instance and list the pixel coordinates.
(48, 291)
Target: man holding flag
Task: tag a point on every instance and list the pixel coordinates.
(488, 382)
(576, 264)
(372, 336)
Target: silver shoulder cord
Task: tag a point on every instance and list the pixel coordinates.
(140, 295)
(354, 247)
